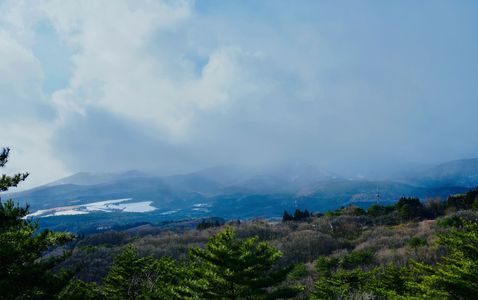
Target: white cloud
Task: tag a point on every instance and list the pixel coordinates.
(112, 68)
(22, 100)
(115, 70)
(31, 151)
(225, 83)
(20, 72)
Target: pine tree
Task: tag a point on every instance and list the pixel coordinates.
(7, 182)
(79, 290)
(298, 215)
(287, 217)
(456, 276)
(134, 277)
(24, 273)
(410, 208)
(306, 213)
(240, 269)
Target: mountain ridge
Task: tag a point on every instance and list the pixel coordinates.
(235, 192)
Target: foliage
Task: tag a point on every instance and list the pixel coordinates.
(298, 215)
(456, 276)
(435, 207)
(237, 269)
(362, 255)
(352, 210)
(24, 272)
(458, 219)
(210, 223)
(417, 242)
(467, 201)
(227, 268)
(341, 284)
(410, 208)
(325, 265)
(287, 217)
(135, 277)
(6, 181)
(80, 290)
(357, 258)
(384, 282)
(377, 210)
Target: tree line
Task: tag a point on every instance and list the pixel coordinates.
(405, 209)
(227, 268)
(231, 267)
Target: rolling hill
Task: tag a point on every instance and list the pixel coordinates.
(458, 173)
(103, 200)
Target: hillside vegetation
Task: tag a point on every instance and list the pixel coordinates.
(408, 250)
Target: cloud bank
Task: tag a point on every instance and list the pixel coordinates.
(174, 86)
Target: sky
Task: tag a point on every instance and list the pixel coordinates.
(176, 86)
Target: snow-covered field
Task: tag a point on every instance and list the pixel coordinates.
(102, 206)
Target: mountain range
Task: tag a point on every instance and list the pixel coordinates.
(100, 200)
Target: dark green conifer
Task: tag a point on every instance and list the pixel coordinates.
(287, 217)
(134, 277)
(456, 276)
(24, 273)
(231, 268)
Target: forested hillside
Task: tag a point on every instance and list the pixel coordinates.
(408, 250)
(384, 252)
(88, 202)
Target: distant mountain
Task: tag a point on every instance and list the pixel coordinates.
(339, 192)
(102, 200)
(268, 179)
(283, 178)
(85, 187)
(139, 188)
(463, 173)
(209, 181)
(85, 178)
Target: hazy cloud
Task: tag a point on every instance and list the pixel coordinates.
(174, 86)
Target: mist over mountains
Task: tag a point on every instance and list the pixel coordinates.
(455, 173)
(230, 192)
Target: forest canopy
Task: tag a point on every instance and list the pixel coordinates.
(408, 250)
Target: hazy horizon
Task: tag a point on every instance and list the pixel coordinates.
(404, 173)
(357, 87)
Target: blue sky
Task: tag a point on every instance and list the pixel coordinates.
(174, 86)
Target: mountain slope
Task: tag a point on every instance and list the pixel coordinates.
(86, 178)
(462, 173)
(229, 192)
